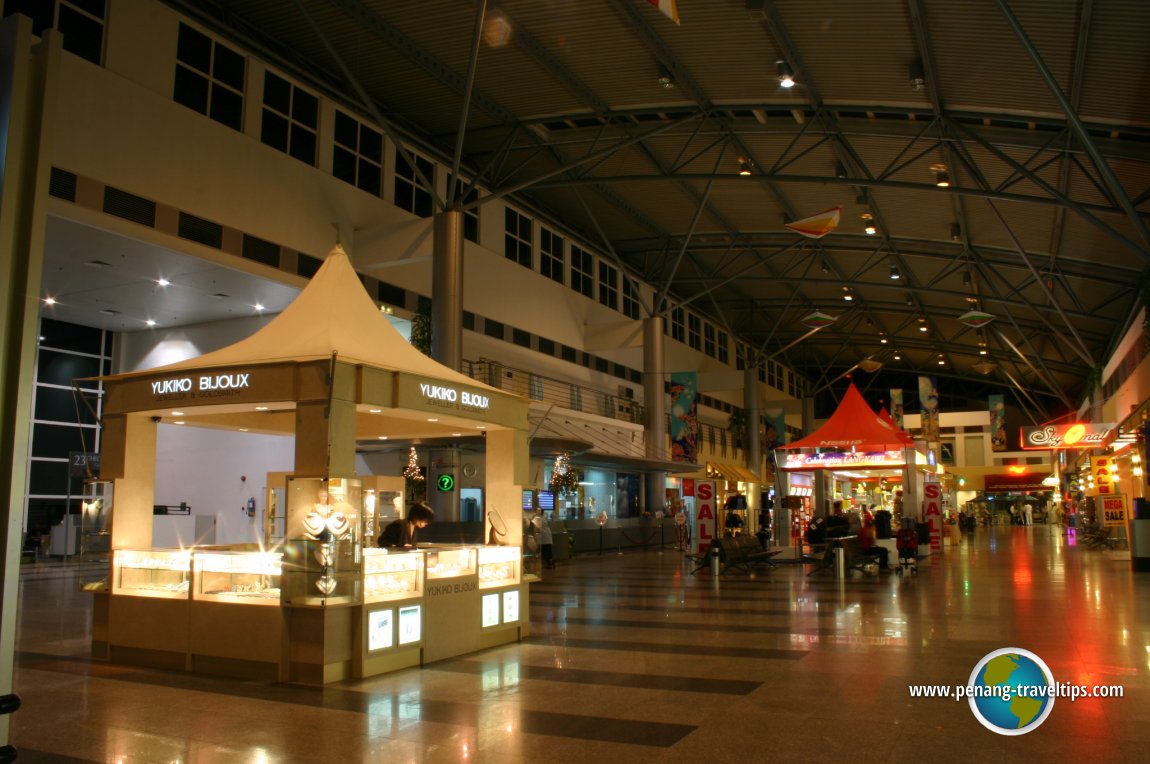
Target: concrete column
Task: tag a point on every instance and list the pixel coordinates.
(819, 499)
(29, 73)
(754, 449)
(655, 406)
(447, 289)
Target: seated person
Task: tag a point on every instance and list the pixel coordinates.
(867, 547)
(403, 532)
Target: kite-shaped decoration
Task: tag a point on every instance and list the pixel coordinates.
(818, 226)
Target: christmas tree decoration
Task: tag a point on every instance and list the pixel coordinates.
(564, 477)
(411, 471)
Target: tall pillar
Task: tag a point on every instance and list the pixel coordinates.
(754, 449)
(819, 498)
(655, 405)
(447, 289)
(29, 74)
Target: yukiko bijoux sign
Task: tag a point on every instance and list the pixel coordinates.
(201, 384)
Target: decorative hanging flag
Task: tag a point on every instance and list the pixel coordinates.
(818, 320)
(817, 226)
(976, 318)
(668, 7)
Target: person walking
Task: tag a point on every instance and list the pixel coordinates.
(1028, 514)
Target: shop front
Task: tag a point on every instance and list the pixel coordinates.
(323, 603)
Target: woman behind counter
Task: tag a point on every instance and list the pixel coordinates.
(403, 532)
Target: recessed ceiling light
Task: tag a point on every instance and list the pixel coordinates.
(456, 434)
(243, 429)
(261, 408)
(49, 300)
(163, 281)
(375, 411)
(382, 437)
(432, 420)
(481, 427)
(150, 322)
(258, 306)
(177, 422)
(177, 413)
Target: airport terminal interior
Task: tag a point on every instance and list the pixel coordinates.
(631, 657)
(273, 272)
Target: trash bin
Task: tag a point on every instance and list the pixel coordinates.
(1139, 532)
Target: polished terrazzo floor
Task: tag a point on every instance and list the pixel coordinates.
(633, 658)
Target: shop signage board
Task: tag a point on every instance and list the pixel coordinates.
(706, 509)
(932, 511)
(1103, 478)
(1075, 435)
(837, 459)
(1113, 510)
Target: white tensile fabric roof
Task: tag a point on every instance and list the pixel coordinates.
(333, 313)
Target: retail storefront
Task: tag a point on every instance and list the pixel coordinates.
(326, 605)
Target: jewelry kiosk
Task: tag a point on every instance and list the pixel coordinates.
(326, 605)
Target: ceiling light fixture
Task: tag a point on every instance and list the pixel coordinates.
(847, 294)
(883, 340)
(840, 170)
(258, 306)
(966, 278)
(824, 267)
(744, 166)
(895, 273)
(868, 224)
(150, 322)
(955, 232)
(917, 76)
(909, 301)
(163, 281)
(665, 79)
(941, 175)
(49, 300)
(897, 356)
(786, 75)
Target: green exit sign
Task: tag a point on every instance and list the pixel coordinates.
(445, 482)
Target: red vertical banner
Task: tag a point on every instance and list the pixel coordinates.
(706, 510)
(932, 512)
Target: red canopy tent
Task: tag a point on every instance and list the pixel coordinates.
(855, 426)
(854, 437)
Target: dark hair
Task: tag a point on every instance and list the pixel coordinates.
(419, 512)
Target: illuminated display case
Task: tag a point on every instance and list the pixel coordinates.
(251, 578)
(160, 573)
(450, 562)
(323, 545)
(391, 575)
(499, 566)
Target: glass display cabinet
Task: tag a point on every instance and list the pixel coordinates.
(158, 573)
(498, 566)
(391, 575)
(250, 578)
(323, 545)
(450, 561)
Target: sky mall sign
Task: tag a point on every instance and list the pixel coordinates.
(1078, 435)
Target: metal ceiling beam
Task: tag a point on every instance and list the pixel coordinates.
(1077, 125)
